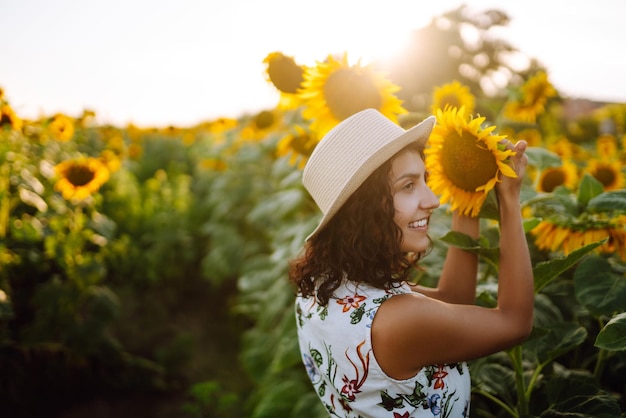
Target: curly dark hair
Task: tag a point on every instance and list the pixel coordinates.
(361, 242)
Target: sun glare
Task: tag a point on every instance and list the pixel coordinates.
(365, 31)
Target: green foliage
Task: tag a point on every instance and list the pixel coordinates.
(546, 271)
(613, 336)
(208, 400)
(588, 189)
(608, 201)
(599, 288)
(542, 158)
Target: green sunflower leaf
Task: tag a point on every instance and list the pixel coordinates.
(558, 340)
(613, 336)
(547, 271)
(599, 288)
(479, 247)
(542, 158)
(588, 189)
(609, 201)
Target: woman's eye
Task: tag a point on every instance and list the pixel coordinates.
(409, 186)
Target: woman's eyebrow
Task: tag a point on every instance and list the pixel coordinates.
(413, 176)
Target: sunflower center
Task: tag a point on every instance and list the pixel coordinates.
(264, 119)
(466, 163)
(5, 119)
(285, 74)
(605, 175)
(79, 175)
(347, 92)
(552, 179)
(302, 144)
(450, 99)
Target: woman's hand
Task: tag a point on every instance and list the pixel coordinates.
(507, 187)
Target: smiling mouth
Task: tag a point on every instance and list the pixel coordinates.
(419, 224)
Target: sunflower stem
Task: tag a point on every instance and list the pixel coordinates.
(522, 401)
(499, 402)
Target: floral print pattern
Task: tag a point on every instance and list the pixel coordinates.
(343, 370)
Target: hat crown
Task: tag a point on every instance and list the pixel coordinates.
(343, 151)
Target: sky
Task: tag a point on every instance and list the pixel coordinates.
(159, 63)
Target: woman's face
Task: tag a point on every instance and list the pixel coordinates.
(412, 199)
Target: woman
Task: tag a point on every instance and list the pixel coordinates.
(373, 345)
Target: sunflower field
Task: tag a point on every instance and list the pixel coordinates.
(144, 270)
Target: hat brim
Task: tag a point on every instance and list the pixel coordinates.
(417, 134)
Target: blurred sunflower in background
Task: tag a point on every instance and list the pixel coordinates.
(531, 136)
(567, 235)
(298, 144)
(81, 177)
(221, 125)
(565, 149)
(262, 124)
(609, 173)
(61, 128)
(533, 96)
(111, 160)
(465, 160)
(552, 177)
(334, 90)
(8, 118)
(606, 147)
(287, 76)
(453, 94)
(213, 164)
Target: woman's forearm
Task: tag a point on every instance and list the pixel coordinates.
(515, 287)
(457, 283)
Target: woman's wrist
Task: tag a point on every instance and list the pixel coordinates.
(466, 224)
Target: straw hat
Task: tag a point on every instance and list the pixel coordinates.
(350, 152)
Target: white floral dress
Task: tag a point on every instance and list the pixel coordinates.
(336, 346)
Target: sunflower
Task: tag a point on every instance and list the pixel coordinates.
(465, 160)
(453, 94)
(79, 178)
(9, 118)
(520, 112)
(287, 76)
(61, 128)
(534, 93)
(538, 89)
(531, 136)
(334, 90)
(552, 177)
(213, 164)
(606, 147)
(116, 143)
(299, 144)
(221, 125)
(111, 160)
(564, 148)
(609, 173)
(262, 124)
(217, 129)
(570, 235)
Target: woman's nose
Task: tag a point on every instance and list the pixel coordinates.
(430, 201)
